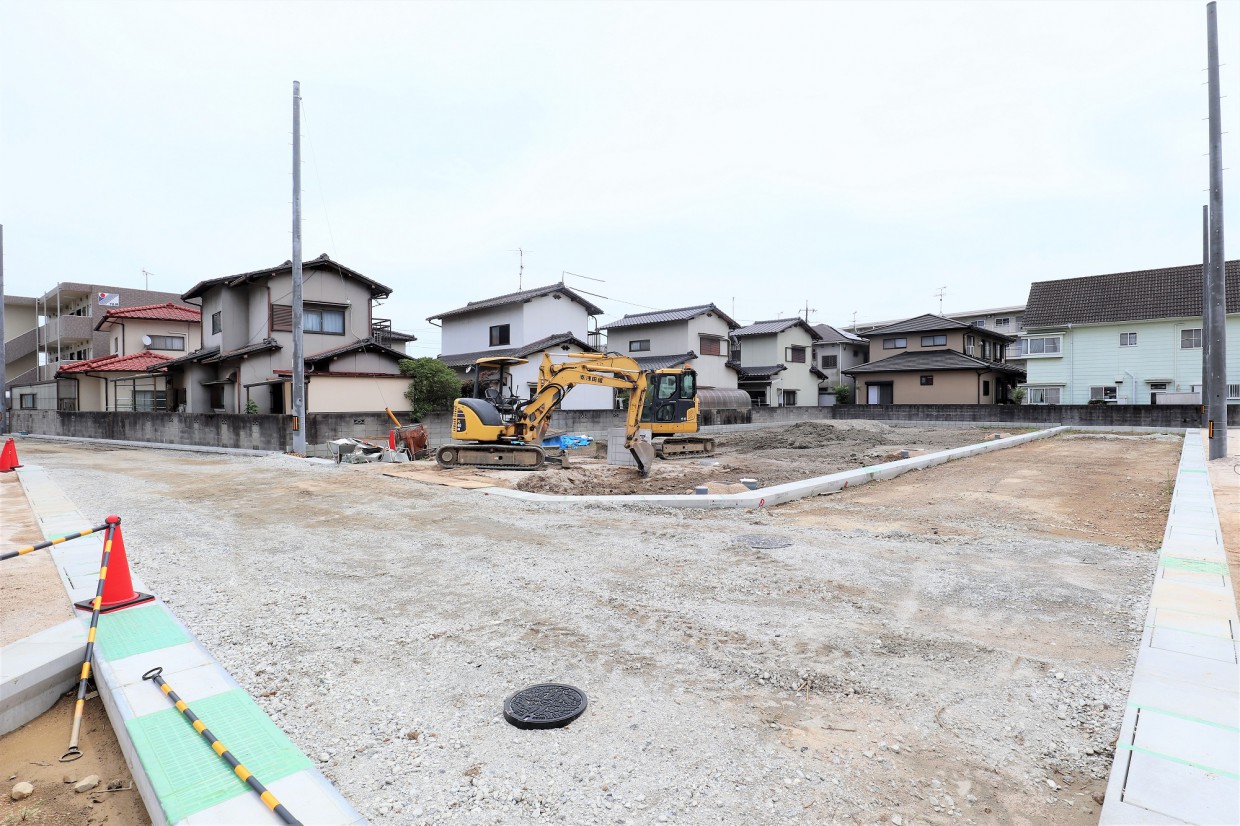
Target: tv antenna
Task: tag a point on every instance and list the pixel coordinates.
(808, 310)
(520, 266)
(942, 291)
(146, 279)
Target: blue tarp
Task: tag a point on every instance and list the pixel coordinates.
(566, 442)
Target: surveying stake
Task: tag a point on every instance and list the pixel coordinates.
(219, 748)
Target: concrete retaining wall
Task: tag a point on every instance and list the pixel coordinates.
(272, 432)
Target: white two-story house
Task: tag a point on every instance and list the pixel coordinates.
(774, 361)
(697, 336)
(526, 324)
(1123, 338)
(835, 352)
(247, 344)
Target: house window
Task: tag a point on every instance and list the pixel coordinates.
(711, 345)
(146, 401)
(794, 355)
(1108, 394)
(830, 362)
(790, 398)
(970, 343)
(1233, 391)
(985, 349)
(116, 345)
(216, 324)
(640, 345)
(1190, 339)
(1127, 339)
(323, 320)
(215, 397)
(934, 341)
(979, 323)
(1043, 395)
(281, 318)
(1158, 385)
(28, 401)
(985, 387)
(500, 335)
(166, 343)
(894, 343)
(926, 381)
(1003, 322)
(1048, 346)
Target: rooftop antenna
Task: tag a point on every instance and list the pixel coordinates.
(808, 311)
(854, 324)
(942, 291)
(147, 279)
(520, 267)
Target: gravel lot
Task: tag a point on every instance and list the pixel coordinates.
(948, 647)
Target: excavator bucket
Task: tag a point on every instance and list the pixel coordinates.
(643, 454)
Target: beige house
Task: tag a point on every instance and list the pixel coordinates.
(111, 383)
(936, 360)
(247, 344)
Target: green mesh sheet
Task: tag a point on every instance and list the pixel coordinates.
(1196, 566)
(187, 775)
(138, 630)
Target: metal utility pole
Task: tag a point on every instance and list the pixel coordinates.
(299, 355)
(1214, 383)
(4, 396)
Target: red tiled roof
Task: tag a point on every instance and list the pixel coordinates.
(137, 362)
(158, 312)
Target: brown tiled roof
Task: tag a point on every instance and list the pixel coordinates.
(1170, 292)
(133, 363)
(153, 312)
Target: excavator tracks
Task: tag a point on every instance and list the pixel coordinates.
(491, 457)
(684, 447)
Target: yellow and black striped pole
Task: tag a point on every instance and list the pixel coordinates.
(219, 748)
(74, 752)
(49, 543)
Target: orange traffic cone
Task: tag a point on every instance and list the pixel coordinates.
(8, 457)
(118, 589)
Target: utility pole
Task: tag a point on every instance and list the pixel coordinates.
(1205, 311)
(299, 355)
(1214, 382)
(4, 393)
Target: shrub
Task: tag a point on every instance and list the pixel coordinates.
(433, 386)
(843, 393)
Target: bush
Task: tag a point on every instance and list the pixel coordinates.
(1018, 395)
(433, 386)
(251, 407)
(843, 393)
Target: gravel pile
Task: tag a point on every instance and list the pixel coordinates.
(848, 675)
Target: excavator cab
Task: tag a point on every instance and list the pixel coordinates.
(671, 403)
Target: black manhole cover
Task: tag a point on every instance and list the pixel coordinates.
(546, 705)
(765, 541)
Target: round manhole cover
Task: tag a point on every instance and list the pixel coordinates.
(546, 705)
(765, 541)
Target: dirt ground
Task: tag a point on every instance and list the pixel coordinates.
(770, 455)
(31, 754)
(32, 597)
(954, 645)
(1225, 478)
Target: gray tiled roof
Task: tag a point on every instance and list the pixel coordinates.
(663, 362)
(920, 324)
(834, 335)
(200, 354)
(261, 347)
(1170, 292)
(517, 298)
(459, 360)
(663, 316)
(766, 328)
(757, 373)
(376, 289)
(911, 360)
(363, 345)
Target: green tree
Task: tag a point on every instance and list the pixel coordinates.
(843, 393)
(433, 386)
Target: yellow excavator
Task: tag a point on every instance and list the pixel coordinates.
(494, 430)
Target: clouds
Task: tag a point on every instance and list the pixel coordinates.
(858, 155)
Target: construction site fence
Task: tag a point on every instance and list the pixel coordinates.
(274, 432)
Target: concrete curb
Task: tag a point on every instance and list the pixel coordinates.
(236, 451)
(36, 670)
(779, 494)
(1177, 758)
(187, 665)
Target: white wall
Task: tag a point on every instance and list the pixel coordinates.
(472, 332)
(548, 315)
(711, 370)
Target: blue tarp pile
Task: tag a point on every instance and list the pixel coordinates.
(566, 442)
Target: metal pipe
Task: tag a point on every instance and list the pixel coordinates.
(73, 752)
(49, 543)
(241, 771)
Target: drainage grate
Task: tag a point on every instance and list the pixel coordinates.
(754, 541)
(546, 705)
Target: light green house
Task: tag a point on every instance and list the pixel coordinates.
(1123, 338)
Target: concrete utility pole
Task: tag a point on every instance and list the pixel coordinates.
(4, 397)
(1205, 311)
(1214, 384)
(299, 353)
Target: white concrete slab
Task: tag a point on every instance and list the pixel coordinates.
(36, 670)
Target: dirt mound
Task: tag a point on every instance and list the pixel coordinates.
(805, 436)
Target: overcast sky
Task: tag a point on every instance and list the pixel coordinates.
(855, 156)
